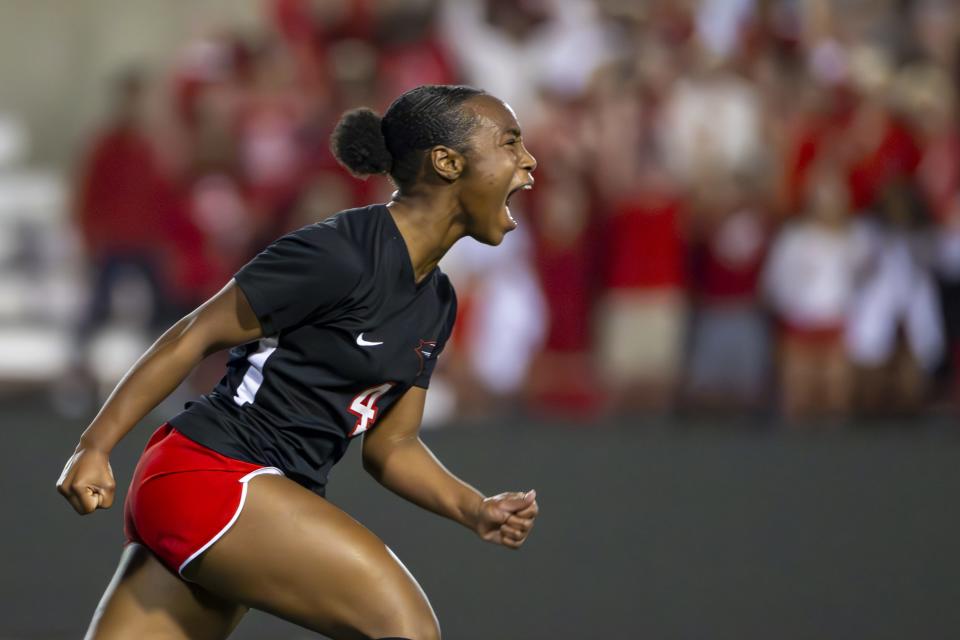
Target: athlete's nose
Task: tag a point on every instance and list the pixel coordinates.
(528, 162)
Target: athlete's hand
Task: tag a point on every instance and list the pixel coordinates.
(87, 481)
(507, 518)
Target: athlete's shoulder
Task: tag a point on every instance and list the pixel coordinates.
(343, 235)
(359, 228)
(354, 223)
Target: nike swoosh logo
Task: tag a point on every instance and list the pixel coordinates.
(366, 343)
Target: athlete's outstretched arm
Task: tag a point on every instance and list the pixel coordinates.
(225, 320)
(394, 454)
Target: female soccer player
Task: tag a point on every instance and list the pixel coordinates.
(337, 328)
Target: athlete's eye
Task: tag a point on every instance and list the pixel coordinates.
(512, 141)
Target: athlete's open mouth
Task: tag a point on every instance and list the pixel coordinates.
(527, 186)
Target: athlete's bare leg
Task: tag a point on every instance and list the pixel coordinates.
(144, 601)
(295, 555)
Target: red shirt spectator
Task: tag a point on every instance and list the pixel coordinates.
(729, 262)
(644, 248)
(896, 155)
(564, 256)
(118, 208)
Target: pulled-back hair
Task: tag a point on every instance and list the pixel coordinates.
(419, 119)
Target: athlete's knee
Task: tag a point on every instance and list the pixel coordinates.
(421, 629)
(410, 623)
(425, 628)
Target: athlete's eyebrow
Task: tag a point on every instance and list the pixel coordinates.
(513, 131)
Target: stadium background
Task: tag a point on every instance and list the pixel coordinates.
(722, 345)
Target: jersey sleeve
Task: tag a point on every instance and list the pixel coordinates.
(429, 363)
(304, 273)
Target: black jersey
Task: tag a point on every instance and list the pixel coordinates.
(346, 332)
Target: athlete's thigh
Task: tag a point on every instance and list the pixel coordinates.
(144, 600)
(295, 555)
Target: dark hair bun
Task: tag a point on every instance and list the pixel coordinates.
(358, 143)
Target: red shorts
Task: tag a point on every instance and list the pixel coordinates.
(184, 497)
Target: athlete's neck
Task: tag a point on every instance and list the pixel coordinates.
(430, 225)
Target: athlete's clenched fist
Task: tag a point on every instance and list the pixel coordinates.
(87, 481)
(507, 518)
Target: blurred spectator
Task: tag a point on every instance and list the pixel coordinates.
(895, 333)
(880, 150)
(809, 281)
(500, 324)
(729, 355)
(643, 311)
(712, 117)
(118, 207)
(515, 50)
(267, 124)
(562, 380)
(815, 118)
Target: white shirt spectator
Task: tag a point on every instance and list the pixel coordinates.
(508, 313)
(898, 291)
(708, 121)
(810, 274)
(561, 54)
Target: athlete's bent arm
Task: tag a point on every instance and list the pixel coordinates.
(394, 454)
(226, 320)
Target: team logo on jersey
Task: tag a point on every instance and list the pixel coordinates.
(424, 350)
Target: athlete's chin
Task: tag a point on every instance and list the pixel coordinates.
(507, 223)
(502, 224)
(492, 239)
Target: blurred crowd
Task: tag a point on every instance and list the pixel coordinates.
(748, 207)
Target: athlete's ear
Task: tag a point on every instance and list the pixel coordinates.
(447, 162)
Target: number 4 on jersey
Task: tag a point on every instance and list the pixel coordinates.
(364, 406)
